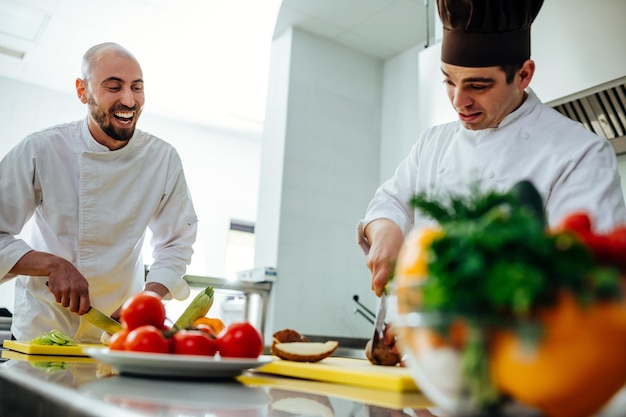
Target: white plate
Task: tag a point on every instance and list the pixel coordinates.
(171, 365)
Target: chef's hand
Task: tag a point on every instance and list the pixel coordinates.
(423, 412)
(389, 335)
(389, 339)
(70, 288)
(377, 411)
(385, 239)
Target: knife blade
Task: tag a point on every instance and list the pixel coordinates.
(379, 327)
(102, 321)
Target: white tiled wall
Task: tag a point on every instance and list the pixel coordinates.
(330, 169)
(581, 51)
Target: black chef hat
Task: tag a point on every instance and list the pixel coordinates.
(485, 33)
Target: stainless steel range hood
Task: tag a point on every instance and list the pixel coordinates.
(602, 110)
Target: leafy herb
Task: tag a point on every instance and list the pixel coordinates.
(452, 208)
(495, 258)
(496, 263)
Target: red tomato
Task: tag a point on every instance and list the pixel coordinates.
(577, 222)
(142, 309)
(118, 340)
(616, 245)
(193, 342)
(596, 243)
(147, 339)
(240, 340)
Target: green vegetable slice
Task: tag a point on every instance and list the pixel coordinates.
(53, 337)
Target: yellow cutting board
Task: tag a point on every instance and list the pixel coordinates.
(14, 355)
(55, 350)
(349, 371)
(370, 396)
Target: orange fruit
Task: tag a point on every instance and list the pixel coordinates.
(412, 267)
(577, 366)
(215, 323)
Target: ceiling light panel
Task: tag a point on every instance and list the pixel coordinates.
(21, 21)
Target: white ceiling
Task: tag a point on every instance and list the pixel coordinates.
(204, 61)
(380, 28)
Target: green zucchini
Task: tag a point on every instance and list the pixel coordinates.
(199, 307)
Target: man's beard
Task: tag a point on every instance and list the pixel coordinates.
(100, 117)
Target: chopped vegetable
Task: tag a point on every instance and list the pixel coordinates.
(53, 337)
(49, 367)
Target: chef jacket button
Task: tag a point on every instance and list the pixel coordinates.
(441, 170)
(491, 175)
(525, 135)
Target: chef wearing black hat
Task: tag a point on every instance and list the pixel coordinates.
(486, 33)
(503, 135)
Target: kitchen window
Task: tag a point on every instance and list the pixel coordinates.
(239, 248)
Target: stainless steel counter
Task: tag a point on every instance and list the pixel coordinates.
(82, 387)
(45, 386)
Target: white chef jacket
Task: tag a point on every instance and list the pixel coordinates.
(91, 206)
(572, 168)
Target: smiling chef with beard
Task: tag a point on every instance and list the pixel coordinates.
(92, 188)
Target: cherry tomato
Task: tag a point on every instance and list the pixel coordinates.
(577, 222)
(141, 309)
(118, 340)
(616, 245)
(598, 244)
(580, 224)
(240, 340)
(193, 342)
(147, 338)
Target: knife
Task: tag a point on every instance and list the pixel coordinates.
(379, 327)
(102, 321)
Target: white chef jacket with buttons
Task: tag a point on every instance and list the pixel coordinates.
(91, 206)
(572, 168)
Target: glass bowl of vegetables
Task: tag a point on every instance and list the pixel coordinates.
(496, 311)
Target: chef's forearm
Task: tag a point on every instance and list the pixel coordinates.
(40, 264)
(157, 288)
(172, 254)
